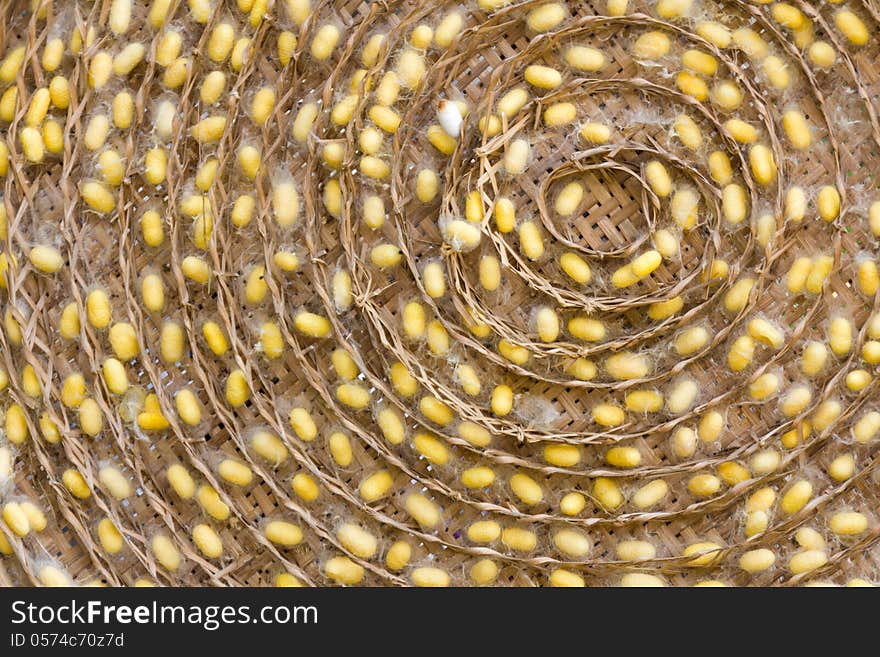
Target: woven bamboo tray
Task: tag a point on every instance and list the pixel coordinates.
(570, 516)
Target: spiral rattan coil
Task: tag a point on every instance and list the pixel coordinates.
(715, 466)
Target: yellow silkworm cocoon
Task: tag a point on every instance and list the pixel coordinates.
(868, 277)
(155, 167)
(324, 42)
(38, 107)
(560, 577)
(526, 489)
(46, 259)
(867, 427)
(635, 551)
(421, 37)
(788, 15)
(122, 110)
(795, 401)
(374, 167)
(547, 324)
(733, 473)
(544, 18)
(478, 477)
(220, 42)
(124, 341)
(153, 292)
(530, 240)
(822, 54)
(32, 144)
(852, 27)
(448, 29)
(388, 89)
(704, 485)
(840, 336)
(168, 48)
(763, 164)
(682, 396)
(644, 264)
(133, 54)
(764, 386)
(796, 497)
(587, 329)
(394, 431)
(427, 184)
(181, 481)
(414, 320)
(569, 198)
(212, 87)
(429, 577)
(575, 267)
(76, 484)
(385, 118)
(766, 332)
(112, 168)
(115, 376)
(249, 159)
(98, 197)
(807, 560)
(171, 342)
(285, 534)
(819, 270)
(756, 522)
(423, 510)
(607, 493)
(262, 105)
(658, 178)
(188, 407)
(502, 400)
(765, 461)
(543, 77)
(517, 156)
(608, 415)
(100, 69)
(560, 114)
(235, 472)
(651, 45)
(562, 455)
(410, 69)
(207, 541)
(692, 85)
(848, 523)
(110, 538)
(11, 64)
(684, 442)
(73, 390)
(825, 415)
(700, 62)
(516, 354)
(776, 71)
(357, 540)
(734, 203)
(688, 132)
(285, 203)
(584, 58)
(801, 269)
(650, 494)
(797, 129)
(571, 543)
(305, 119)
(673, 8)
(623, 457)
(386, 256)
(704, 553)
(842, 468)
(710, 427)
(665, 309)
(624, 277)
(512, 102)
(166, 552)
(828, 202)
(490, 273)
(719, 167)
(237, 389)
(432, 449)
(691, 340)
(8, 104)
(736, 298)
(209, 130)
(53, 53)
(374, 212)
(756, 561)
(210, 501)
(715, 33)
(344, 365)
(626, 365)
(354, 396)
(595, 133)
(114, 482)
(15, 424)
(343, 111)
(871, 352)
(435, 410)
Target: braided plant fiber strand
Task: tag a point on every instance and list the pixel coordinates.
(418, 405)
